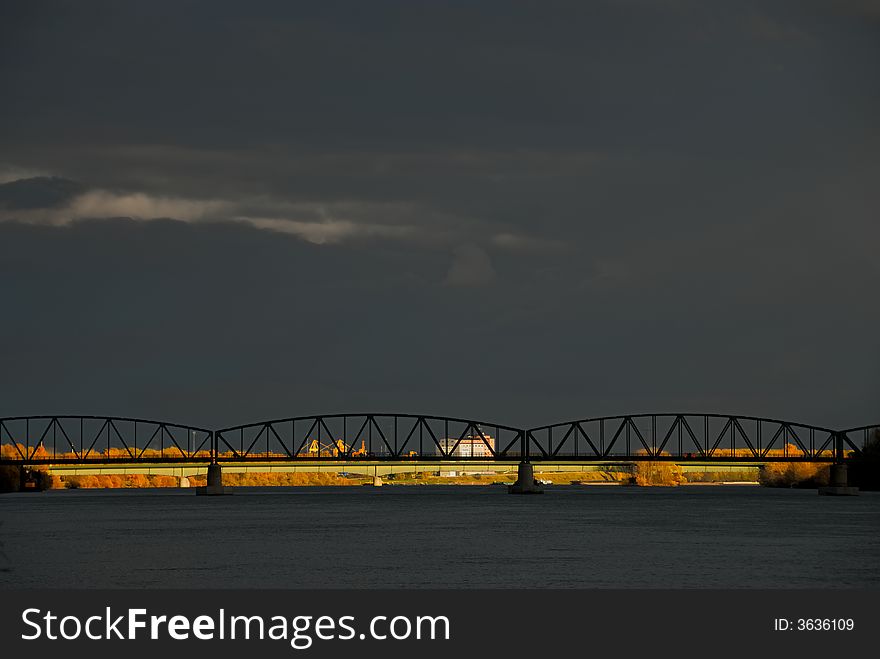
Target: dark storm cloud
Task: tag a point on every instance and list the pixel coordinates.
(509, 210)
(37, 192)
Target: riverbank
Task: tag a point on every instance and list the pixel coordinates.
(639, 475)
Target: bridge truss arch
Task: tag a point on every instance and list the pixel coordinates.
(863, 435)
(86, 439)
(696, 436)
(379, 436)
(100, 439)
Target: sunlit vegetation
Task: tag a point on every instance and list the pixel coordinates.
(790, 450)
(864, 472)
(280, 479)
(650, 472)
(17, 450)
(794, 474)
(8, 451)
(97, 481)
(749, 475)
(656, 472)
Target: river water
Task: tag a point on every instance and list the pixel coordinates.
(445, 536)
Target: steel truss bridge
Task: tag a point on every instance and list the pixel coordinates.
(370, 437)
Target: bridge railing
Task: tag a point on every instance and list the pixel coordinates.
(369, 436)
(66, 438)
(689, 436)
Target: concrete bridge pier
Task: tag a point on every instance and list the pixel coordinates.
(525, 481)
(215, 482)
(838, 483)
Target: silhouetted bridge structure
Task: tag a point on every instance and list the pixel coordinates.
(406, 438)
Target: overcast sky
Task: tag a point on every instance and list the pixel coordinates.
(216, 213)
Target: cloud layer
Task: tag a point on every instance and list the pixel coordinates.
(495, 210)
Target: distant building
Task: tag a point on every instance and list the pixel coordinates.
(470, 446)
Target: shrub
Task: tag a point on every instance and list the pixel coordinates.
(159, 480)
(10, 479)
(44, 480)
(657, 473)
(794, 474)
(137, 480)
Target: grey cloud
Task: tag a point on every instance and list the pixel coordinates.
(37, 192)
(470, 266)
(764, 27)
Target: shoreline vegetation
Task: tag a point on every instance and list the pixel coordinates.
(642, 474)
(652, 477)
(639, 474)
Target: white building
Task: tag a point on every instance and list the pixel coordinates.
(471, 446)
